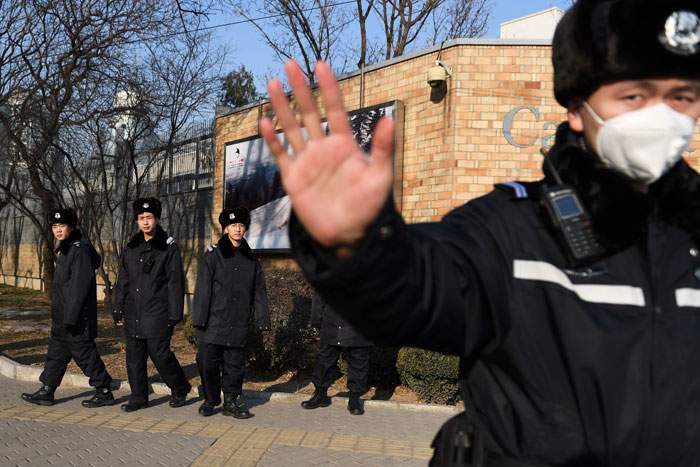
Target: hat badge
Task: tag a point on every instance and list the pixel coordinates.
(57, 215)
(232, 216)
(681, 34)
(146, 205)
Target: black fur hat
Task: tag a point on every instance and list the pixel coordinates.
(602, 41)
(151, 205)
(63, 216)
(234, 216)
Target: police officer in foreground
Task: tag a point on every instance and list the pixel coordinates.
(573, 301)
(73, 315)
(230, 293)
(337, 334)
(149, 299)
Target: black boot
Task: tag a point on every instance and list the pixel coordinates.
(103, 396)
(207, 409)
(43, 396)
(234, 408)
(319, 399)
(134, 406)
(178, 399)
(355, 405)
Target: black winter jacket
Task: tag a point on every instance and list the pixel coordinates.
(74, 300)
(151, 285)
(230, 292)
(574, 366)
(334, 329)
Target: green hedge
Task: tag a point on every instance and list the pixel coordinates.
(433, 376)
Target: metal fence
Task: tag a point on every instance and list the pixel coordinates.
(191, 163)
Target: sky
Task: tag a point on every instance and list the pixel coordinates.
(245, 46)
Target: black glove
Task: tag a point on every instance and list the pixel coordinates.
(73, 329)
(117, 316)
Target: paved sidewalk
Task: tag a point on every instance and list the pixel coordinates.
(280, 434)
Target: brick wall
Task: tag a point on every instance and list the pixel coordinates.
(453, 150)
(456, 149)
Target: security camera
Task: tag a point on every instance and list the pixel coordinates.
(438, 74)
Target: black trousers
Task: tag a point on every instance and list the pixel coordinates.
(80, 348)
(217, 364)
(158, 349)
(358, 367)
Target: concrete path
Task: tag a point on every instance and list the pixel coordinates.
(280, 434)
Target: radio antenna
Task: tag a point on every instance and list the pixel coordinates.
(548, 161)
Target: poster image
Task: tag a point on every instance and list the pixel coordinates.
(251, 179)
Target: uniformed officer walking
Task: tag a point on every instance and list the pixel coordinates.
(337, 334)
(149, 299)
(73, 315)
(230, 294)
(573, 301)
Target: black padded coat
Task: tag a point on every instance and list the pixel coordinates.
(230, 293)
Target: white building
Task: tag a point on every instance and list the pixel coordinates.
(538, 25)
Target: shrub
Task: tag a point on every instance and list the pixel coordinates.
(189, 331)
(290, 344)
(433, 376)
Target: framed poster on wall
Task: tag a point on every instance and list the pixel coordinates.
(251, 178)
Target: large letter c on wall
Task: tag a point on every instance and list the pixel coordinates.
(508, 125)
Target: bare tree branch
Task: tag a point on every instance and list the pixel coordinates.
(61, 65)
(307, 30)
(313, 30)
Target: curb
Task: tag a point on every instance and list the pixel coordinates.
(13, 370)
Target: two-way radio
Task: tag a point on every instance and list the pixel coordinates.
(570, 219)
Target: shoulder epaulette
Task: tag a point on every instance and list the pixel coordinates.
(517, 189)
(210, 248)
(170, 241)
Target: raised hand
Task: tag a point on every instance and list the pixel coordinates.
(336, 191)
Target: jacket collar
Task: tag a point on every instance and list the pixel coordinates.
(620, 214)
(64, 246)
(159, 240)
(227, 249)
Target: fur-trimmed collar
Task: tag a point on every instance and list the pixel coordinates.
(74, 236)
(227, 249)
(159, 240)
(620, 214)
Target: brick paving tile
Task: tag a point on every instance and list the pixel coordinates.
(279, 434)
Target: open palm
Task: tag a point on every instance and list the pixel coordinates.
(336, 191)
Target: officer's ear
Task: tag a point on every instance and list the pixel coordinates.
(574, 116)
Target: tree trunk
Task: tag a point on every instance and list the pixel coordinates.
(108, 297)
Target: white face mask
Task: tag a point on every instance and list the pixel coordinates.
(643, 144)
